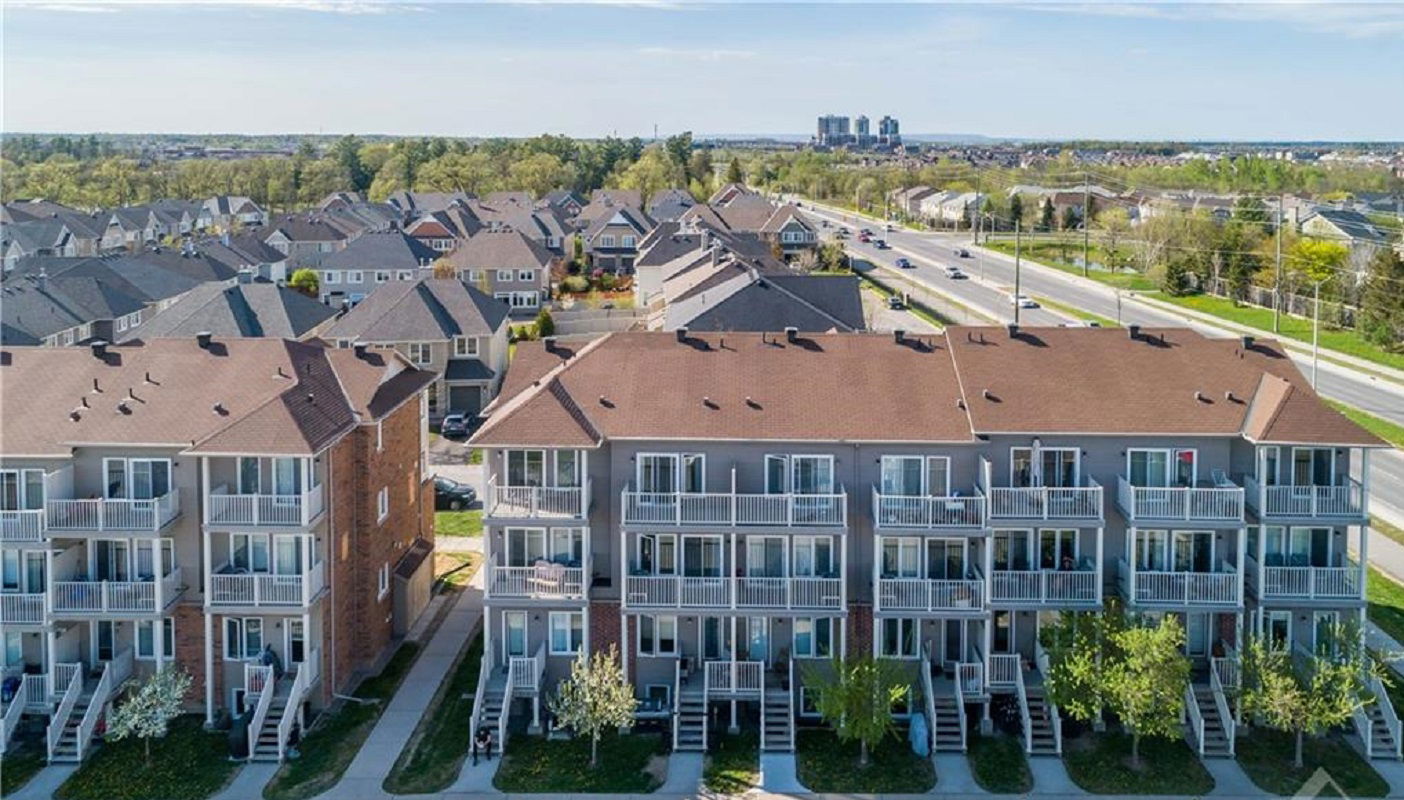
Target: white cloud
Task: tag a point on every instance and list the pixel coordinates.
(357, 7)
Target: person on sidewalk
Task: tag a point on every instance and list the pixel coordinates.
(483, 742)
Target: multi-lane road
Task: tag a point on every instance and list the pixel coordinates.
(991, 282)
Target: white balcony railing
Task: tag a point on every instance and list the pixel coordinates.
(905, 511)
(1005, 669)
(267, 589)
(22, 609)
(223, 508)
(702, 508)
(22, 526)
(734, 677)
(1221, 587)
(1189, 503)
(537, 502)
(1345, 500)
(1047, 502)
(1046, 586)
(919, 594)
(113, 514)
(102, 597)
(1304, 582)
(542, 580)
(673, 591)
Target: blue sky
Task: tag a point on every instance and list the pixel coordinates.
(1141, 71)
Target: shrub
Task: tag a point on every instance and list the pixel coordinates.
(575, 284)
(545, 325)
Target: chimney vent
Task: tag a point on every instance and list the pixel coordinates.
(1198, 395)
(682, 334)
(359, 348)
(1013, 330)
(791, 334)
(203, 338)
(1134, 331)
(550, 342)
(99, 348)
(1247, 342)
(899, 336)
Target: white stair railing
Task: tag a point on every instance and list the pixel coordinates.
(929, 693)
(1364, 729)
(114, 673)
(1024, 717)
(677, 701)
(258, 680)
(1054, 718)
(1196, 719)
(59, 720)
(1387, 710)
(1216, 685)
(507, 692)
(484, 675)
(959, 684)
(10, 721)
(290, 711)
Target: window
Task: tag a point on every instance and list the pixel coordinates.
(382, 504)
(1011, 550)
(1161, 468)
(465, 345)
(658, 554)
(607, 240)
(404, 275)
(1297, 547)
(807, 706)
(331, 276)
(522, 299)
(813, 557)
(526, 467)
(355, 276)
(567, 632)
(901, 557)
(1052, 466)
(249, 552)
(382, 581)
(799, 474)
(137, 478)
(567, 468)
(379, 437)
(916, 476)
(382, 276)
(1057, 549)
(504, 275)
(627, 241)
(475, 276)
(813, 637)
(899, 638)
(420, 353)
(146, 641)
(1279, 629)
(14, 649)
(526, 275)
(658, 635)
(1313, 466)
(243, 638)
(514, 633)
(21, 490)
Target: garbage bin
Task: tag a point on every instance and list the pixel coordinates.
(239, 736)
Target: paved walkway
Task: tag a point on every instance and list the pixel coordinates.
(249, 782)
(1229, 778)
(684, 774)
(1050, 777)
(778, 774)
(43, 785)
(953, 774)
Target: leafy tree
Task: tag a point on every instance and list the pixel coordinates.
(1016, 209)
(1045, 220)
(595, 697)
(856, 697)
(1070, 218)
(679, 150)
(1143, 680)
(1382, 301)
(733, 171)
(539, 173)
(1304, 695)
(1076, 648)
(652, 172)
(545, 325)
(1317, 260)
(347, 153)
(1176, 279)
(699, 169)
(306, 281)
(832, 257)
(150, 709)
(1114, 226)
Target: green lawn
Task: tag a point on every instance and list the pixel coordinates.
(537, 764)
(335, 738)
(458, 523)
(431, 759)
(1049, 254)
(454, 568)
(1386, 599)
(1389, 431)
(734, 765)
(1077, 313)
(1101, 764)
(21, 762)
(826, 765)
(1266, 755)
(1343, 340)
(1391, 531)
(188, 764)
(999, 765)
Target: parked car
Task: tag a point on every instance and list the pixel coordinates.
(881, 244)
(840, 235)
(844, 230)
(895, 303)
(903, 263)
(961, 252)
(454, 425)
(866, 231)
(1022, 301)
(955, 274)
(450, 495)
(889, 227)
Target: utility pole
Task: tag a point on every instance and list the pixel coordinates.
(1086, 222)
(975, 217)
(1315, 335)
(1016, 271)
(1277, 281)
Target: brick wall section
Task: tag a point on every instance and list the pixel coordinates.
(340, 610)
(860, 629)
(190, 652)
(604, 626)
(1228, 629)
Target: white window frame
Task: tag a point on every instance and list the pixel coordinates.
(607, 240)
(507, 617)
(242, 639)
(902, 622)
(382, 581)
(657, 621)
(404, 275)
(566, 618)
(814, 624)
(382, 276)
(420, 353)
(927, 462)
(526, 275)
(627, 241)
(504, 275)
(1172, 460)
(1036, 477)
(382, 504)
(331, 276)
(355, 276)
(465, 346)
(168, 627)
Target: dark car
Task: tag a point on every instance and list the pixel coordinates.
(961, 252)
(454, 425)
(881, 244)
(450, 495)
(895, 302)
(903, 263)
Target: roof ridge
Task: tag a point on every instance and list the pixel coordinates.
(540, 384)
(758, 276)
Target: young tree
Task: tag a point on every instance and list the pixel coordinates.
(856, 697)
(595, 697)
(1045, 220)
(1144, 677)
(1114, 225)
(1070, 218)
(1016, 209)
(545, 325)
(733, 171)
(1382, 301)
(1304, 695)
(148, 712)
(1076, 648)
(306, 281)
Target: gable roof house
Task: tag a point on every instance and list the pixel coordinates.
(444, 230)
(506, 264)
(1361, 233)
(304, 239)
(567, 201)
(782, 226)
(225, 212)
(370, 260)
(669, 204)
(441, 325)
(244, 310)
(611, 240)
(419, 203)
(742, 298)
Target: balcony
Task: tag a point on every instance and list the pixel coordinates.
(260, 510)
(1223, 587)
(731, 509)
(928, 513)
(1037, 587)
(22, 526)
(228, 588)
(22, 609)
(674, 591)
(1276, 581)
(101, 515)
(1047, 503)
(114, 597)
(547, 581)
(931, 595)
(1202, 504)
(1346, 501)
(537, 502)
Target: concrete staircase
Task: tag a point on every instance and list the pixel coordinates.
(1216, 742)
(1382, 744)
(66, 751)
(777, 719)
(494, 705)
(1044, 743)
(692, 720)
(949, 736)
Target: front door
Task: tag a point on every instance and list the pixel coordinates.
(294, 642)
(1197, 630)
(758, 639)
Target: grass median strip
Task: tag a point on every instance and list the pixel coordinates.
(827, 765)
(629, 763)
(1101, 764)
(188, 763)
(1048, 254)
(733, 767)
(1266, 756)
(1389, 431)
(999, 764)
(433, 756)
(22, 761)
(334, 739)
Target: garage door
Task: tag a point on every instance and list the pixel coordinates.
(465, 399)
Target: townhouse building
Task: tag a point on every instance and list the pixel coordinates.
(254, 512)
(727, 506)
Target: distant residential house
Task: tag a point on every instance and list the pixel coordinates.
(612, 239)
(746, 212)
(246, 309)
(506, 264)
(225, 212)
(372, 259)
(1361, 234)
(566, 201)
(418, 203)
(669, 204)
(444, 230)
(304, 239)
(439, 324)
(677, 255)
(907, 202)
(518, 198)
(950, 208)
(726, 193)
(544, 225)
